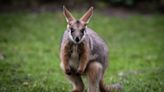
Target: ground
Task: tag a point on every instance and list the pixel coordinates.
(29, 51)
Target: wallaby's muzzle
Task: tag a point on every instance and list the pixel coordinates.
(77, 39)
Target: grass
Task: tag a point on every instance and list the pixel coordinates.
(29, 51)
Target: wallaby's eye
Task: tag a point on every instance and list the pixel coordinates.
(82, 30)
(72, 30)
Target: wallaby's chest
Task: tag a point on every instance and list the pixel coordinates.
(74, 59)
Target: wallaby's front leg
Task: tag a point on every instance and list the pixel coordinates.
(83, 59)
(64, 56)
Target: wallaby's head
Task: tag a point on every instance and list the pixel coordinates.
(77, 28)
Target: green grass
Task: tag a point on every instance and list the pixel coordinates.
(29, 51)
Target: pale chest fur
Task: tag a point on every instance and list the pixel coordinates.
(74, 57)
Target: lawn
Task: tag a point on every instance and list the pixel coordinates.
(29, 51)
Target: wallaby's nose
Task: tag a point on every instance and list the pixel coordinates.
(77, 39)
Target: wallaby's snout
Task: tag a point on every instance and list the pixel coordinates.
(77, 28)
(77, 39)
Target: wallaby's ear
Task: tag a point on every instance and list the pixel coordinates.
(67, 15)
(85, 18)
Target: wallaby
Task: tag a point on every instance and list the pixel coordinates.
(83, 52)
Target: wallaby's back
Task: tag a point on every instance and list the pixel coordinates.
(98, 47)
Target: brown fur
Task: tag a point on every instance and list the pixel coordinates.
(83, 58)
(64, 55)
(77, 83)
(94, 73)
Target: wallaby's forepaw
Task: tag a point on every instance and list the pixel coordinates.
(79, 72)
(68, 71)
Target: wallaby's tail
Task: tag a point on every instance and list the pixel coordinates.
(109, 88)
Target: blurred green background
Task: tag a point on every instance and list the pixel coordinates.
(30, 40)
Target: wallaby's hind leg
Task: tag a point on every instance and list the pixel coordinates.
(77, 83)
(94, 74)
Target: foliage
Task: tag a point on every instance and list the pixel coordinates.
(126, 2)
